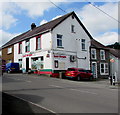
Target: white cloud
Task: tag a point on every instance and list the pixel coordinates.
(43, 22)
(35, 9)
(5, 36)
(56, 17)
(98, 22)
(6, 12)
(108, 38)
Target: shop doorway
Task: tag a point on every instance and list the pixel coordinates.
(94, 69)
(27, 64)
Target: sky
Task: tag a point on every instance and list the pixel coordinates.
(17, 16)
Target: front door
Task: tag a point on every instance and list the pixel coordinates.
(94, 69)
(27, 64)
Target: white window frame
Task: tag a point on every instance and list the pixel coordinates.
(60, 40)
(106, 70)
(102, 56)
(9, 50)
(93, 54)
(27, 44)
(83, 43)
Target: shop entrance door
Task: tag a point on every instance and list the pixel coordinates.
(27, 64)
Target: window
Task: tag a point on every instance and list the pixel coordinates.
(20, 63)
(104, 68)
(93, 53)
(83, 44)
(38, 43)
(72, 28)
(9, 50)
(20, 48)
(9, 61)
(56, 63)
(59, 40)
(27, 46)
(102, 54)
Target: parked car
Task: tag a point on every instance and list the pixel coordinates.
(12, 67)
(78, 74)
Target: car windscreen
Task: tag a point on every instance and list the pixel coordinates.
(71, 69)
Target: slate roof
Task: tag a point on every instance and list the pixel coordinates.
(42, 29)
(97, 44)
(115, 52)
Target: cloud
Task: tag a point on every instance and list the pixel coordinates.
(5, 36)
(43, 22)
(96, 21)
(108, 38)
(6, 12)
(35, 9)
(56, 17)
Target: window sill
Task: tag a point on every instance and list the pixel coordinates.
(9, 53)
(60, 47)
(84, 50)
(38, 49)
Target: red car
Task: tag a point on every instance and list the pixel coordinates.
(78, 74)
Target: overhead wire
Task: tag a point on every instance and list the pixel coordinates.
(57, 6)
(103, 11)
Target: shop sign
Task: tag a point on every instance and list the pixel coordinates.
(26, 55)
(57, 56)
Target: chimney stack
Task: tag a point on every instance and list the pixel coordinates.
(33, 26)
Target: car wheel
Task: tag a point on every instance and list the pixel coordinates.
(91, 78)
(8, 71)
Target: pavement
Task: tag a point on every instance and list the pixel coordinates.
(62, 95)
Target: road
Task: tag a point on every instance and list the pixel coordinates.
(61, 95)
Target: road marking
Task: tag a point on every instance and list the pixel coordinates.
(31, 103)
(84, 91)
(56, 86)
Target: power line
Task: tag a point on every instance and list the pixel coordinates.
(58, 6)
(103, 12)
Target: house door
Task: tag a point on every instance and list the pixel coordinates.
(94, 69)
(27, 64)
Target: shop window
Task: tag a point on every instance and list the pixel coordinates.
(83, 44)
(93, 53)
(102, 54)
(9, 50)
(37, 63)
(104, 68)
(38, 43)
(20, 48)
(59, 40)
(27, 46)
(56, 63)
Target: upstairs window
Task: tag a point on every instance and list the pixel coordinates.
(38, 43)
(27, 46)
(93, 53)
(83, 44)
(9, 50)
(102, 54)
(59, 40)
(72, 28)
(20, 48)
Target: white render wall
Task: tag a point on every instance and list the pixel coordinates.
(72, 41)
(45, 45)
